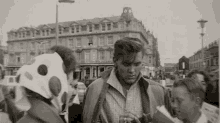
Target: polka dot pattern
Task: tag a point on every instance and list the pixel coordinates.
(42, 70)
(55, 85)
(28, 75)
(64, 98)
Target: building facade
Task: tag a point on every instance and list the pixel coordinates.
(211, 55)
(92, 42)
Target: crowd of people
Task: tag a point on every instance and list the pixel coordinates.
(47, 89)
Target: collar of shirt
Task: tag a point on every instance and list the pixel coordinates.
(114, 82)
(202, 118)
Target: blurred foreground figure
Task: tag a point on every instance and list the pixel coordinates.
(123, 94)
(188, 96)
(200, 76)
(43, 93)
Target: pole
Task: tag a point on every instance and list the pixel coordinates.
(202, 34)
(57, 30)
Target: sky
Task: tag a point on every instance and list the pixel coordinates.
(173, 22)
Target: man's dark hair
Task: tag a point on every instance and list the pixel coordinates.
(127, 46)
(193, 87)
(194, 72)
(67, 56)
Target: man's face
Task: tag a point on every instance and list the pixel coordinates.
(72, 89)
(183, 104)
(200, 78)
(129, 69)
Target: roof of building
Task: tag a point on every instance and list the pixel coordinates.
(78, 22)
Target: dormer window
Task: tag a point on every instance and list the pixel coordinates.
(77, 29)
(60, 30)
(52, 31)
(48, 33)
(37, 32)
(28, 33)
(23, 34)
(115, 25)
(43, 33)
(84, 28)
(103, 27)
(109, 26)
(90, 28)
(66, 29)
(16, 34)
(72, 29)
(96, 26)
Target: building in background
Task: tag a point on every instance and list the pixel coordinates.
(211, 55)
(92, 41)
(169, 68)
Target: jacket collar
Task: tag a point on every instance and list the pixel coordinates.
(107, 75)
(42, 111)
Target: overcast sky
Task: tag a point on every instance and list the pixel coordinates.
(173, 22)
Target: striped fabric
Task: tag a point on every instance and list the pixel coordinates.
(117, 103)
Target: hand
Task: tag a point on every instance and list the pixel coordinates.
(129, 118)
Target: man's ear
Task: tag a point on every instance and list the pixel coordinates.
(198, 101)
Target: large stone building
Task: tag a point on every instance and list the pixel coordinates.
(211, 54)
(91, 40)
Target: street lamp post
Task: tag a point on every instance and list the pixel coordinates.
(57, 15)
(202, 24)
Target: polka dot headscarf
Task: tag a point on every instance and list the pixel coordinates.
(45, 76)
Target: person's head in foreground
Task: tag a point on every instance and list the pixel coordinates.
(128, 58)
(44, 84)
(188, 96)
(200, 76)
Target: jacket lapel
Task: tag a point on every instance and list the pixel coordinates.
(43, 112)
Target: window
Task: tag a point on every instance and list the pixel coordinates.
(101, 41)
(53, 31)
(96, 26)
(48, 33)
(32, 45)
(93, 52)
(78, 43)
(18, 59)
(78, 55)
(71, 43)
(33, 34)
(90, 41)
(109, 26)
(110, 40)
(115, 25)
(66, 30)
(90, 28)
(102, 55)
(16, 35)
(37, 32)
(23, 34)
(60, 30)
(77, 29)
(21, 46)
(111, 55)
(72, 29)
(103, 27)
(43, 33)
(84, 28)
(28, 33)
(87, 54)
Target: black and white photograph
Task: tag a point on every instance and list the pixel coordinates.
(109, 61)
